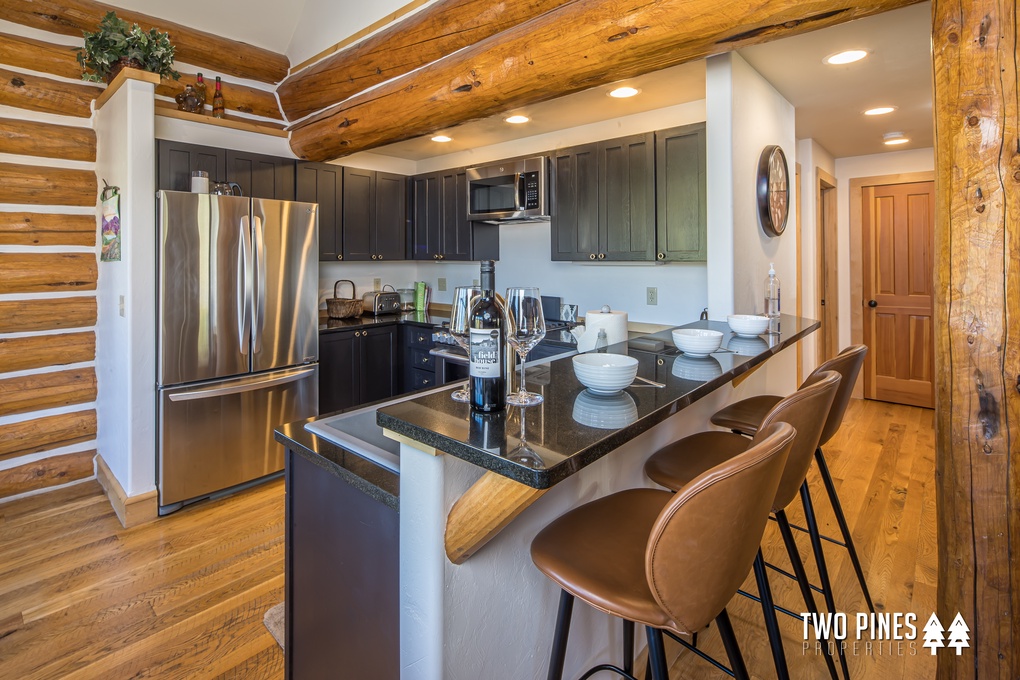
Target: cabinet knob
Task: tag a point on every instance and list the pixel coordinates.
(426, 381)
(661, 256)
(660, 362)
(380, 257)
(373, 257)
(602, 256)
(592, 256)
(340, 256)
(442, 257)
(424, 360)
(435, 257)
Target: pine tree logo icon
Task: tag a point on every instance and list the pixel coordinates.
(958, 634)
(933, 638)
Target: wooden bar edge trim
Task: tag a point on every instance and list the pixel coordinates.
(131, 510)
(424, 448)
(481, 513)
(121, 78)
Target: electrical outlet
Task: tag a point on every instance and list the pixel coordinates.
(442, 285)
(474, 282)
(122, 305)
(652, 296)
(376, 284)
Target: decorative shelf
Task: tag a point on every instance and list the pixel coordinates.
(168, 110)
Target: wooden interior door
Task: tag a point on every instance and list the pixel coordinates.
(898, 250)
(828, 258)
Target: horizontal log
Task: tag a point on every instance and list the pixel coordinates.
(236, 97)
(24, 316)
(31, 138)
(39, 185)
(37, 93)
(43, 434)
(47, 272)
(36, 55)
(422, 38)
(47, 390)
(41, 351)
(47, 229)
(47, 472)
(72, 17)
(572, 48)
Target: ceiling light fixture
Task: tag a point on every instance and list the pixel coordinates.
(845, 57)
(442, 138)
(517, 119)
(623, 92)
(879, 110)
(894, 138)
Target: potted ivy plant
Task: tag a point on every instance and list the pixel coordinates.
(117, 45)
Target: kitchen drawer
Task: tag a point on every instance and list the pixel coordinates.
(421, 378)
(420, 337)
(420, 358)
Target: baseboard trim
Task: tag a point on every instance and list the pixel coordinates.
(131, 510)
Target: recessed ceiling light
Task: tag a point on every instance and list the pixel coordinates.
(517, 120)
(442, 138)
(846, 57)
(894, 138)
(879, 110)
(623, 92)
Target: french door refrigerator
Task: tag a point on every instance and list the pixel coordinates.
(237, 338)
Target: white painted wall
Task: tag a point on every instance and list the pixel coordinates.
(126, 340)
(919, 160)
(812, 157)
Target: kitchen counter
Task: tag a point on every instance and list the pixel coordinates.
(430, 319)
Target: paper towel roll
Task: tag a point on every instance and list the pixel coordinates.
(615, 324)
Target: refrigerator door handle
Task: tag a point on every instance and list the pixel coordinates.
(260, 283)
(243, 387)
(244, 286)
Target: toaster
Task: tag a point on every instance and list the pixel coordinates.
(381, 302)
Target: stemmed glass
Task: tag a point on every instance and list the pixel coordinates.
(524, 454)
(460, 327)
(526, 329)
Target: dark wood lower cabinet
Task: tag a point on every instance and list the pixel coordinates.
(358, 366)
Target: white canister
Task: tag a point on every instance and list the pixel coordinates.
(199, 182)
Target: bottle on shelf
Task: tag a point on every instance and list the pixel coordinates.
(202, 91)
(772, 293)
(217, 100)
(487, 338)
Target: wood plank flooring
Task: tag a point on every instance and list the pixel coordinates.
(183, 597)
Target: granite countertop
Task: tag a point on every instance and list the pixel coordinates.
(573, 427)
(328, 325)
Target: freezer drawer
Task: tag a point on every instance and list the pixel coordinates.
(220, 434)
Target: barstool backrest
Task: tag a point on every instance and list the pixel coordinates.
(848, 364)
(806, 409)
(705, 539)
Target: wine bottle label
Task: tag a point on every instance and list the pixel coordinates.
(485, 352)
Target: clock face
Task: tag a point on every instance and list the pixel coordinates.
(773, 190)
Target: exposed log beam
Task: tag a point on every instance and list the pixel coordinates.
(72, 17)
(47, 272)
(40, 185)
(236, 97)
(40, 391)
(36, 55)
(41, 351)
(569, 49)
(22, 316)
(36, 93)
(977, 272)
(428, 35)
(30, 138)
(43, 434)
(47, 229)
(47, 472)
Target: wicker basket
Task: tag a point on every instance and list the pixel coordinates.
(343, 308)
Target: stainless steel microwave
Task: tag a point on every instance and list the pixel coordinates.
(512, 191)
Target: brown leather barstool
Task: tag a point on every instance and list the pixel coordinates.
(668, 561)
(674, 465)
(745, 416)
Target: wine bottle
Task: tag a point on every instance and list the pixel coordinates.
(487, 337)
(203, 93)
(217, 100)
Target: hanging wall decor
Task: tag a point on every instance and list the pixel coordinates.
(110, 232)
(773, 189)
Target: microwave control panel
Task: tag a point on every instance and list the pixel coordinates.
(530, 180)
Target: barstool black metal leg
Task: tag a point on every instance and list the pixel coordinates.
(771, 622)
(802, 579)
(837, 508)
(823, 571)
(559, 648)
(628, 646)
(732, 648)
(657, 654)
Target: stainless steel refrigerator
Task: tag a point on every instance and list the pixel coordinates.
(237, 338)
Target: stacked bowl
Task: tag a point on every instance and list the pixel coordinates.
(605, 373)
(697, 342)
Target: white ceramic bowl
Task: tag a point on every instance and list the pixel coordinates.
(747, 347)
(605, 412)
(747, 325)
(605, 373)
(697, 342)
(699, 369)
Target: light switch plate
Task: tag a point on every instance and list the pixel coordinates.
(376, 284)
(442, 285)
(122, 305)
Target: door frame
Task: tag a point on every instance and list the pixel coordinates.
(827, 252)
(857, 186)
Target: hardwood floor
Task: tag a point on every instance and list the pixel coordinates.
(184, 597)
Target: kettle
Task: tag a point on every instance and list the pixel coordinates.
(226, 189)
(614, 323)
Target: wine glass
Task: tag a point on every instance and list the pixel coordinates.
(526, 329)
(524, 454)
(460, 327)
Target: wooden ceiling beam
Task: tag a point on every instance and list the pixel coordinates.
(420, 39)
(572, 48)
(72, 17)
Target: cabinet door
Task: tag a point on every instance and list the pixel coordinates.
(359, 188)
(575, 217)
(627, 198)
(456, 230)
(425, 217)
(680, 194)
(390, 216)
(177, 160)
(261, 176)
(379, 363)
(339, 371)
(322, 183)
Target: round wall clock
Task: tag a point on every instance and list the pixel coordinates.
(773, 187)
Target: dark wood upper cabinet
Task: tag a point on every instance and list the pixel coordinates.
(575, 216)
(454, 225)
(322, 183)
(176, 161)
(680, 189)
(374, 215)
(390, 216)
(627, 198)
(260, 176)
(440, 229)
